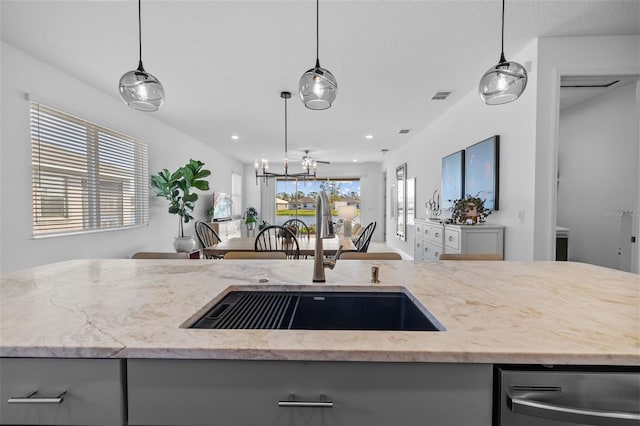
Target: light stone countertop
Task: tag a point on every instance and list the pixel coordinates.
(494, 312)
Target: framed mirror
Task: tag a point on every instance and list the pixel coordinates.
(401, 202)
(411, 201)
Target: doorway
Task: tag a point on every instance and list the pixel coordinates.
(597, 175)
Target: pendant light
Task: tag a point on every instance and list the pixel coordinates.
(262, 169)
(504, 82)
(318, 87)
(139, 89)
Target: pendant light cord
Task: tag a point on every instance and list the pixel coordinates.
(502, 58)
(140, 37)
(285, 128)
(317, 33)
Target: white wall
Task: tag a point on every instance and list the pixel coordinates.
(597, 163)
(576, 56)
(465, 123)
(528, 129)
(262, 196)
(168, 148)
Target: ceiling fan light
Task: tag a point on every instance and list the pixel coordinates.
(141, 90)
(503, 83)
(318, 88)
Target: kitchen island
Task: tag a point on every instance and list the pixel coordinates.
(494, 312)
(133, 313)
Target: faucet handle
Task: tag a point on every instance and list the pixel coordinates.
(338, 253)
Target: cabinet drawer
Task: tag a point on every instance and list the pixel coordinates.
(94, 391)
(452, 239)
(418, 244)
(431, 251)
(433, 233)
(418, 229)
(230, 393)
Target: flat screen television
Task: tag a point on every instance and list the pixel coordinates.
(221, 206)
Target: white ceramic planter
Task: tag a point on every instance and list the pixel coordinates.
(184, 244)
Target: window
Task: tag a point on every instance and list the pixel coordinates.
(84, 177)
(296, 199)
(236, 195)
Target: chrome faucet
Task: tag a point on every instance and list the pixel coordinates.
(324, 229)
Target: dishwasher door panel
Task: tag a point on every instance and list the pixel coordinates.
(569, 398)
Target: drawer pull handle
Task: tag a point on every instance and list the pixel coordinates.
(291, 402)
(437, 234)
(450, 238)
(32, 398)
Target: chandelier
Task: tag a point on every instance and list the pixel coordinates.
(308, 165)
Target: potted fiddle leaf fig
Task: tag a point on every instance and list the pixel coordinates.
(176, 187)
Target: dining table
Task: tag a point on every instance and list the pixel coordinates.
(307, 246)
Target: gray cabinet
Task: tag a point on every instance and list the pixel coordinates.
(69, 391)
(431, 239)
(483, 239)
(427, 240)
(228, 393)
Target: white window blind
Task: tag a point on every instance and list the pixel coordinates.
(236, 195)
(85, 178)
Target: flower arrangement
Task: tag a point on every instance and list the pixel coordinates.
(251, 215)
(469, 210)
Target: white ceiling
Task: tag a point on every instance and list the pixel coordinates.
(224, 63)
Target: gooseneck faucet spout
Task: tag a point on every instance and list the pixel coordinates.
(324, 229)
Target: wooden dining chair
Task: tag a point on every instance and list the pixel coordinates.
(362, 243)
(207, 236)
(278, 238)
(356, 255)
(255, 255)
(470, 256)
(301, 227)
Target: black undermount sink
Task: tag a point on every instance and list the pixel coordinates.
(319, 310)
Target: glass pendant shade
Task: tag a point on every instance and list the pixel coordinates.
(141, 90)
(503, 83)
(318, 88)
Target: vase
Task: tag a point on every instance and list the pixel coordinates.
(184, 244)
(251, 226)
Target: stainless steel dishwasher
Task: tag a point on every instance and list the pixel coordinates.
(555, 396)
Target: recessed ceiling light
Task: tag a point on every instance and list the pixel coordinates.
(235, 137)
(369, 136)
(355, 160)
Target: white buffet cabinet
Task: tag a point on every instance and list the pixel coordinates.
(227, 229)
(431, 239)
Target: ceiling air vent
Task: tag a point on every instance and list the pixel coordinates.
(439, 96)
(404, 131)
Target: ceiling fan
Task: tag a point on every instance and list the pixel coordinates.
(310, 162)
